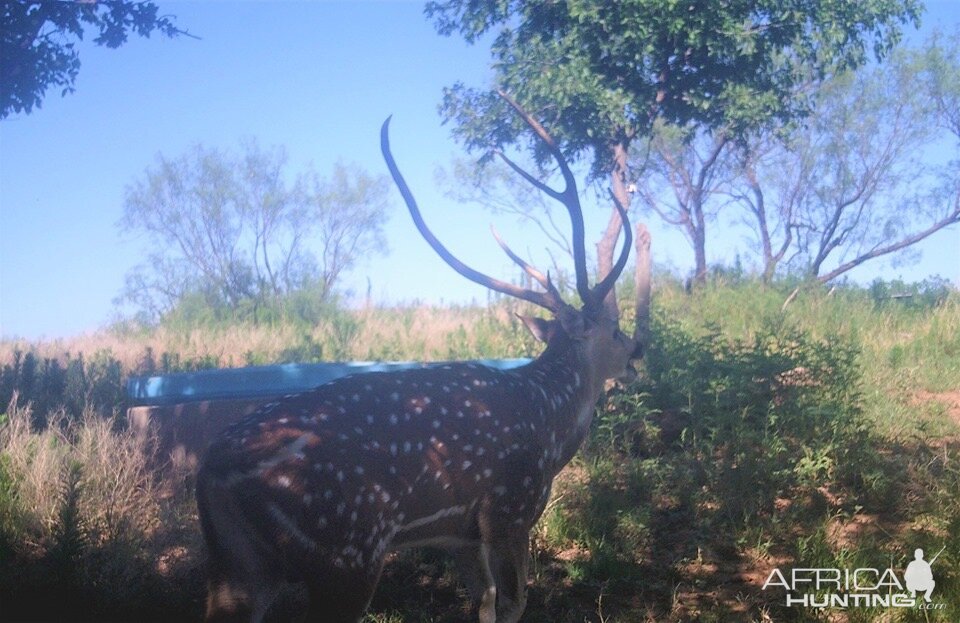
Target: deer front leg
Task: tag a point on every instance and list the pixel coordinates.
(496, 577)
(488, 600)
(510, 571)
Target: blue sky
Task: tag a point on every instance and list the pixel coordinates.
(317, 78)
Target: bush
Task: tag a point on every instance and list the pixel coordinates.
(926, 294)
(71, 384)
(716, 434)
(760, 415)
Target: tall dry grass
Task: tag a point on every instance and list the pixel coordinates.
(386, 334)
(82, 520)
(106, 471)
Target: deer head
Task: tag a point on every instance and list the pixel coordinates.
(319, 487)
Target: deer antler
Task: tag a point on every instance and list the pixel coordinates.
(549, 300)
(543, 280)
(569, 197)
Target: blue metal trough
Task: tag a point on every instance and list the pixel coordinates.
(262, 381)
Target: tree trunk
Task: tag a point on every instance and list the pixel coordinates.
(699, 238)
(769, 270)
(608, 243)
(605, 250)
(643, 281)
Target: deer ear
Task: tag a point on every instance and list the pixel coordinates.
(541, 328)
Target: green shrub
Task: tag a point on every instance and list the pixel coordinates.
(73, 384)
(763, 415)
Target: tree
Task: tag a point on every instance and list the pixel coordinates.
(233, 231)
(600, 74)
(692, 167)
(347, 212)
(37, 47)
(771, 201)
(853, 183)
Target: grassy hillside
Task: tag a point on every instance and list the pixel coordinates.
(821, 433)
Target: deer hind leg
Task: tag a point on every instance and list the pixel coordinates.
(496, 576)
(467, 561)
(241, 584)
(488, 585)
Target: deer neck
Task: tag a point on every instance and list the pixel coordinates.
(563, 391)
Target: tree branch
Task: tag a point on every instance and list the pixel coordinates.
(952, 219)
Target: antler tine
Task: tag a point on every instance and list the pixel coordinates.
(543, 299)
(527, 268)
(568, 196)
(601, 290)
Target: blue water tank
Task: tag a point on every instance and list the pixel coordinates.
(259, 381)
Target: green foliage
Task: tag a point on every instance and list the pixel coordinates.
(73, 383)
(302, 307)
(9, 513)
(759, 418)
(39, 48)
(68, 539)
(599, 73)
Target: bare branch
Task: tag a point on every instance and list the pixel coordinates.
(952, 219)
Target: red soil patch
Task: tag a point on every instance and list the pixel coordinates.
(951, 400)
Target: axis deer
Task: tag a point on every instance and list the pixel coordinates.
(319, 487)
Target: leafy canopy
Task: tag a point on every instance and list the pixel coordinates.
(38, 50)
(600, 73)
